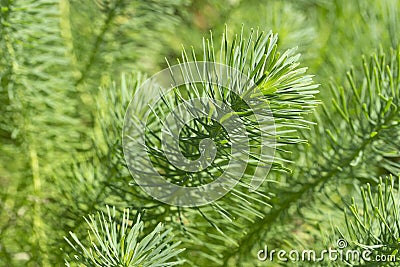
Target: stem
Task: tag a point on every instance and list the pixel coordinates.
(38, 226)
(97, 43)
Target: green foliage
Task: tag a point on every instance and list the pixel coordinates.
(290, 96)
(38, 106)
(121, 244)
(285, 89)
(375, 224)
(63, 97)
(47, 119)
(350, 145)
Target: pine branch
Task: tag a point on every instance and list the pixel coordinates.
(61, 146)
(92, 180)
(375, 226)
(290, 96)
(123, 244)
(283, 84)
(356, 135)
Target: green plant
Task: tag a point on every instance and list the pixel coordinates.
(115, 244)
(375, 225)
(69, 69)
